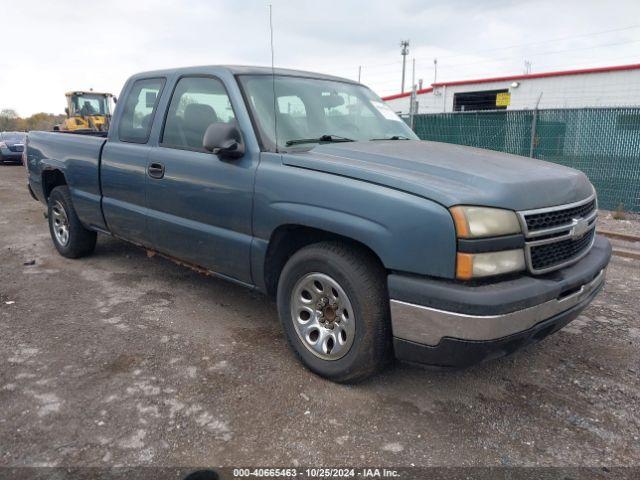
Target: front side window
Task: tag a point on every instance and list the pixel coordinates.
(310, 109)
(197, 102)
(139, 109)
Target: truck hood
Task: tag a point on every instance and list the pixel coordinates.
(12, 143)
(450, 174)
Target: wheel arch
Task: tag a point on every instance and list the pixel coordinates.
(52, 178)
(288, 238)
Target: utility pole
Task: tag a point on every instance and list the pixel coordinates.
(404, 52)
(527, 67)
(435, 70)
(534, 124)
(413, 72)
(412, 104)
(359, 72)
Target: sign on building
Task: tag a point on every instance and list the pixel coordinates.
(503, 99)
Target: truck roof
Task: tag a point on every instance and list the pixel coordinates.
(242, 70)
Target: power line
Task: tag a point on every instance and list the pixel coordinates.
(548, 52)
(511, 57)
(568, 37)
(494, 72)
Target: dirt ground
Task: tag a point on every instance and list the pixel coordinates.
(120, 359)
(629, 225)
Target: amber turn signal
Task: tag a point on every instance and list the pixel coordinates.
(464, 266)
(460, 221)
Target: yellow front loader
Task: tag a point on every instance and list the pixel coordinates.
(87, 112)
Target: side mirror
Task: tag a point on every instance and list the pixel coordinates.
(66, 110)
(223, 139)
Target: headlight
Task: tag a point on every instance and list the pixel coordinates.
(478, 222)
(482, 222)
(476, 265)
(3, 145)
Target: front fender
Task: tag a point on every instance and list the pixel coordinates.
(345, 223)
(408, 233)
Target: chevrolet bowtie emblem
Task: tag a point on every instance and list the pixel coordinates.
(580, 227)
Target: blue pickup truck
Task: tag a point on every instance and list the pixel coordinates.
(309, 188)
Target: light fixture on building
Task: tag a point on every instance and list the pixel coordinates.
(515, 85)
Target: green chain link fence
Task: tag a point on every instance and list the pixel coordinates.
(602, 142)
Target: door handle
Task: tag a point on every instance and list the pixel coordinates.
(155, 170)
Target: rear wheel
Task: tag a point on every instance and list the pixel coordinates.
(334, 308)
(69, 236)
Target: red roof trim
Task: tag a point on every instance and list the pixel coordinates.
(407, 94)
(617, 68)
(544, 75)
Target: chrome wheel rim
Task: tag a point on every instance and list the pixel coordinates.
(323, 316)
(60, 223)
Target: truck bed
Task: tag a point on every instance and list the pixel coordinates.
(78, 157)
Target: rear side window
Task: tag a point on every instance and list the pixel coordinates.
(197, 102)
(139, 110)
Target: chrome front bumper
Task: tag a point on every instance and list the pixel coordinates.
(428, 326)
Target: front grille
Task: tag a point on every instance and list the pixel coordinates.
(552, 238)
(16, 148)
(556, 218)
(557, 253)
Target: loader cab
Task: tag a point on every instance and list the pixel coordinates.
(88, 111)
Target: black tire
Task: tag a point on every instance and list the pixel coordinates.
(363, 280)
(80, 241)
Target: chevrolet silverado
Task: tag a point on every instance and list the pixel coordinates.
(309, 188)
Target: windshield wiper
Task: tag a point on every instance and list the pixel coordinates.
(394, 137)
(322, 138)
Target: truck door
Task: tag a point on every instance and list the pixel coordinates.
(200, 206)
(124, 162)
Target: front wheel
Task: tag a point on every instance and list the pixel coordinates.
(69, 236)
(333, 304)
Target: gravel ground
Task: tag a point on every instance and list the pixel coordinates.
(120, 359)
(630, 225)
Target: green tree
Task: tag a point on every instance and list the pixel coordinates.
(11, 121)
(42, 121)
(8, 119)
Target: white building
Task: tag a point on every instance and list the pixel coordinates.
(592, 87)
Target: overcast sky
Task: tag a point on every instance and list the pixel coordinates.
(51, 47)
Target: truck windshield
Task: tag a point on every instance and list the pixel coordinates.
(89, 104)
(311, 111)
